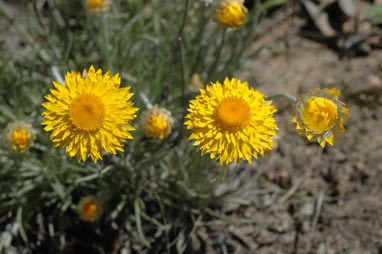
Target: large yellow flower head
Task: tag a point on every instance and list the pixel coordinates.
(19, 136)
(230, 13)
(157, 122)
(319, 115)
(231, 121)
(89, 208)
(89, 114)
(97, 6)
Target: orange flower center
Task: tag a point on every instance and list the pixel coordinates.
(95, 3)
(20, 137)
(88, 112)
(232, 114)
(157, 126)
(90, 209)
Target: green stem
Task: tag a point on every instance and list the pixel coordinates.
(223, 173)
(217, 57)
(181, 66)
(176, 45)
(106, 42)
(198, 40)
(279, 96)
(180, 32)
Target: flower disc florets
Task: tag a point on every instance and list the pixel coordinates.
(231, 121)
(96, 6)
(19, 136)
(89, 208)
(157, 122)
(230, 13)
(319, 115)
(89, 114)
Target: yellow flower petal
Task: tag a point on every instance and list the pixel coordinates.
(19, 136)
(230, 14)
(319, 115)
(89, 208)
(89, 115)
(96, 7)
(231, 121)
(157, 122)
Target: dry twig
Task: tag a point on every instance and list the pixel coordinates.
(317, 214)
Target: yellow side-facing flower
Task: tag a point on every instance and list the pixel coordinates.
(97, 6)
(230, 13)
(319, 115)
(89, 208)
(19, 136)
(89, 114)
(157, 122)
(231, 121)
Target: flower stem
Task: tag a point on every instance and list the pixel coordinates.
(200, 33)
(180, 31)
(181, 66)
(175, 46)
(223, 173)
(106, 41)
(217, 57)
(279, 96)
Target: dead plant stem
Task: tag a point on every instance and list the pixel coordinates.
(317, 214)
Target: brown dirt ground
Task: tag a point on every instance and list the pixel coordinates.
(281, 193)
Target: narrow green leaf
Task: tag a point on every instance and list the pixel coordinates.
(20, 225)
(137, 212)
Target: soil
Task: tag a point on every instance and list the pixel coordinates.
(302, 198)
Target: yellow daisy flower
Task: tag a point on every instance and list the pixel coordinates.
(319, 115)
(89, 114)
(157, 122)
(231, 121)
(230, 13)
(19, 135)
(97, 6)
(89, 208)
